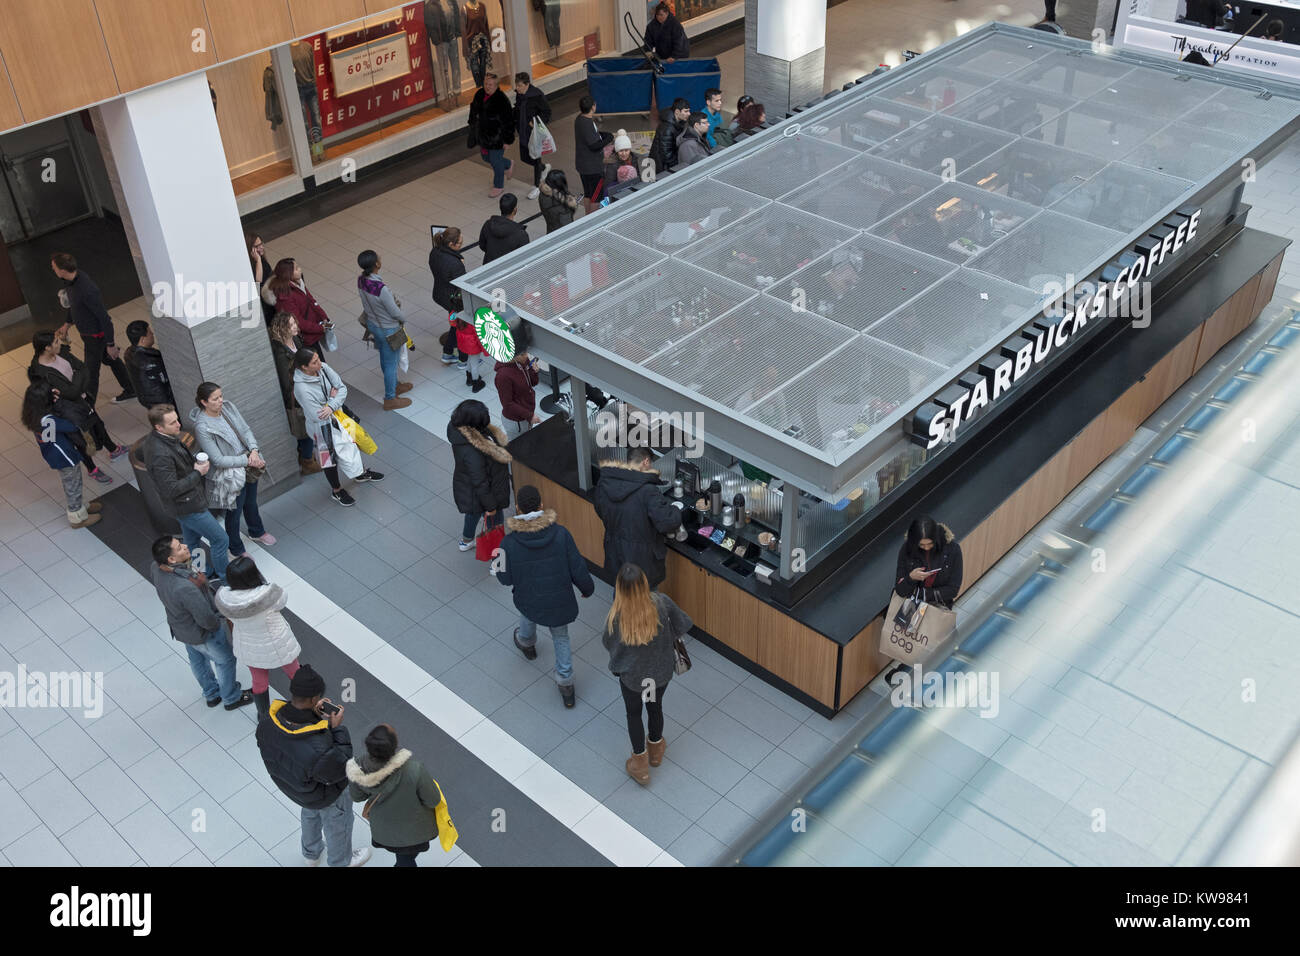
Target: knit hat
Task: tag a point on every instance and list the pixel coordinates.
(622, 141)
(528, 499)
(306, 683)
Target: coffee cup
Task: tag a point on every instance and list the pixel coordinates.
(201, 456)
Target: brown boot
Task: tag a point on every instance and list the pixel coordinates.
(94, 507)
(308, 466)
(404, 387)
(656, 748)
(393, 403)
(638, 768)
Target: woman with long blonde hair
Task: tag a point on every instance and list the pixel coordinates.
(640, 631)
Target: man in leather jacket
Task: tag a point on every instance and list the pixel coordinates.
(144, 365)
(664, 148)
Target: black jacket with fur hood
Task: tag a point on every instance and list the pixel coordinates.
(543, 566)
(940, 587)
(636, 516)
(481, 479)
(404, 795)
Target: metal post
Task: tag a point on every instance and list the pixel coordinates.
(581, 435)
(789, 507)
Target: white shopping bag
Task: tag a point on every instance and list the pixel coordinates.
(541, 142)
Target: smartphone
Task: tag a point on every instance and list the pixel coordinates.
(328, 708)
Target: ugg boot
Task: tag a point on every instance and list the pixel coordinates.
(638, 768)
(308, 466)
(404, 387)
(82, 518)
(655, 749)
(391, 404)
(262, 702)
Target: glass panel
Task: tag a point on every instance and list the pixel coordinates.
(767, 246)
(935, 87)
(1032, 172)
(1099, 131)
(1011, 107)
(941, 144)
(673, 224)
(868, 190)
(955, 222)
(784, 164)
(1047, 248)
(1072, 74)
(865, 123)
(1124, 197)
(1155, 94)
(1183, 150)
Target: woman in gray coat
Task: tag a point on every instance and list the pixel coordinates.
(640, 633)
(320, 393)
(232, 450)
(383, 319)
(399, 793)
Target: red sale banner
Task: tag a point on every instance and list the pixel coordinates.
(372, 72)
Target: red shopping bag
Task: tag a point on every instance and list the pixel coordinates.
(488, 540)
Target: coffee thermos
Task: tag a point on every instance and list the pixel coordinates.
(715, 498)
(738, 509)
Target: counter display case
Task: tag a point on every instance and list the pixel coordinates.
(852, 305)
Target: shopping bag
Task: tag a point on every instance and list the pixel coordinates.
(488, 540)
(331, 341)
(541, 142)
(356, 433)
(404, 359)
(928, 626)
(447, 834)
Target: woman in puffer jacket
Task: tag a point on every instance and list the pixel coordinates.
(399, 793)
(260, 637)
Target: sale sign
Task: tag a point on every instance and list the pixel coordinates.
(371, 72)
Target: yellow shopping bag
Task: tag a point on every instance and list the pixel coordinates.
(358, 434)
(447, 834)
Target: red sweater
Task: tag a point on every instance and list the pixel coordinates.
(515, 386)
(304, 307)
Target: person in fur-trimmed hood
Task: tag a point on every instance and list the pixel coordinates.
(400, 796)
(929, 560)
(480, 482)
(543, 566)
(259, 634)
(636, 515)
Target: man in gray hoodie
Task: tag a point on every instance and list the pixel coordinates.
(194, 621)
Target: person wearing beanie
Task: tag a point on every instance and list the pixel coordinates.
(542, 565)
(400, 796)
(306, 750)
(622, 166)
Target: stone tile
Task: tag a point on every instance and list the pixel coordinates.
(113, 794)
(154, 837)
(16, 816)
(24, 760)
(702, 760)
(175, 733)
(70, 748)
(733, 738)
(95, 842)
(57, 802)
(696, 847)
(38, 847)
(759, 715)
(264, 817)
(725, 822)
(648, 812)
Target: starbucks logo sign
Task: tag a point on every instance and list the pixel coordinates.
(495, 335)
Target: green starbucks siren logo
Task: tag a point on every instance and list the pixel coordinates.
(495, 335)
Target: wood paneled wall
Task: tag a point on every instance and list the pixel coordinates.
(246, 134)
(61, 55)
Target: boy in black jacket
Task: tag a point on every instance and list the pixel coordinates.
(306, 749)
(144, 365)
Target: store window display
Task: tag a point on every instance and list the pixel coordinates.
(250, 117)
(477, 39)
(563, 33)
(443, 30)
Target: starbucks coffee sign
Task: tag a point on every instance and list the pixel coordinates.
(494, 333)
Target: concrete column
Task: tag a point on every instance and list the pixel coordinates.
(168, 170)
(785, 53)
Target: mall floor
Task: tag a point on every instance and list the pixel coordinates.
(381, 594)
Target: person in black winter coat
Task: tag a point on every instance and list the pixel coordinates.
(665, 35)
(589, 151)
(530, 105)
(501, 234)
(306, 753)
(558, 205)
(446, 263)
(480, 481)
(672, 123)
(636, 515)
(542, 564)
(929, 561)
(144, 364)
(492, 129)
(691, 147)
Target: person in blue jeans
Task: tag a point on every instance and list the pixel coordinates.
(539, 559)
(178, 477)
(492, 129)
(383, 318)
(194, 621)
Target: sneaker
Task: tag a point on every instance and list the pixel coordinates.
(244, 700)
(118, 452)
(267, 539)
(124, 397)
(360, 857)
(343, 498)
(449, 360)
(464, 545)
(100, 476)
(462, 366)
(213, 703)
(566, 693)
(529, 652)
(369, 475)
(313, 860)
(534, 193)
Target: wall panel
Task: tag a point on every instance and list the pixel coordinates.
(10, 114)
(150, 42)
(56, 57)
(315, 16)
(245, 26)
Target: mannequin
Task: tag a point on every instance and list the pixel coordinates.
(550, 11)
(442, 25)
(477, 42)
(304, 72)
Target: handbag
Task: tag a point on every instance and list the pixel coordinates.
(297, 422)
(404, 357)
(683, 660)
(488, 540)
(251, 472)
(447, 834)
(397, 339)
(928, 626)
(331, 341)
(356, 433)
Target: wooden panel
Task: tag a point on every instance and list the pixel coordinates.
(735, 613)
(315, 16)
(863, 660)
(1241, 306)
(797, 655)
(247, 138)
(1267, 284)
(1087, 451)
(54, 51)
(1214, 333)
(10, 114)
(150, 42)
(245, 26)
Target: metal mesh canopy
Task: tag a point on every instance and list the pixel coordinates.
(811, 286)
